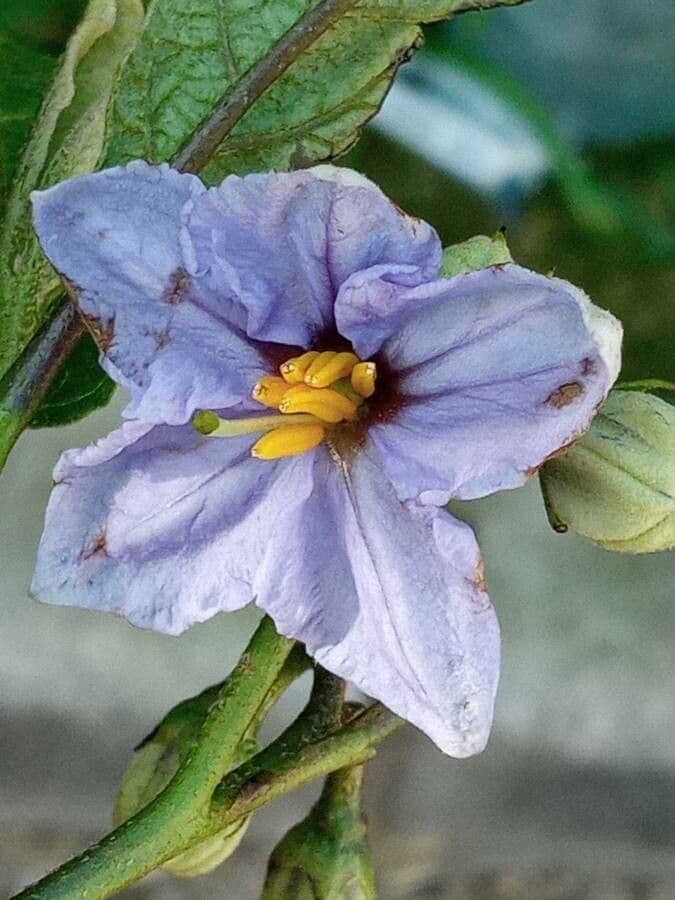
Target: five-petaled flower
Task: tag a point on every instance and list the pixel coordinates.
(251, 468)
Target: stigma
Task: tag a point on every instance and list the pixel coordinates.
(313, 393)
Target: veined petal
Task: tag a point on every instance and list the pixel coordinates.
(280, 245)
(391, 597)
(163, 526)
(114, 236)
(494, 372)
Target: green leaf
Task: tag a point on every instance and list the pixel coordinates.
(80, 387)
(189, 57)
(24, 75)
(476, 253)
(67, 140)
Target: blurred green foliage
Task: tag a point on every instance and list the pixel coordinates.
(24, 75)
(547, 235)
(44, 24)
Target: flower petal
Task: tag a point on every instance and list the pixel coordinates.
(494, 371)
(161, 525)
(282, 244)
(389, 596)
(166, 528)
(115, 237)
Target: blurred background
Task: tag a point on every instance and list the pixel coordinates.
(556, 121)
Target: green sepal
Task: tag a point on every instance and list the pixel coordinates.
(157, 759)
(616, 485)
(477, 252)
(325, 857)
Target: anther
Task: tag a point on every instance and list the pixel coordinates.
(293, 370)
(324, 372)
(323, 403)
(318, 363)
(288, 441)
(270, 391)
(363, 378)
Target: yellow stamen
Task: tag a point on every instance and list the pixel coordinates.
(270, 391)
(323, 374)
(211, 425)
(288, 441)
(318, 363)
(323, 403)
(293, 370)
(363, 378)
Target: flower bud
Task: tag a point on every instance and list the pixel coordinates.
(325, 857)
(153, 766)
(616, 485)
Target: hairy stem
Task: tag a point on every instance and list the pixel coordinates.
(197, 151)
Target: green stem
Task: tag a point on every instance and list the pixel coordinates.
(157, 833)
(292, 760)
(646, 384)
(342, 790)
(180, 814)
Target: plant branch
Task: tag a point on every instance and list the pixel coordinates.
(197, 151)
(179, 815)
(281, 767)
(25, 385)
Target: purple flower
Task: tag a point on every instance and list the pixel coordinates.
(202, 300)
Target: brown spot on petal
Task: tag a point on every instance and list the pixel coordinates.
(588, 366)
(479, 575)
(102, 332)
(565, 394)
(412, 221)
(175, 291)
(98, 546)
(574, 437)
(162, 338)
